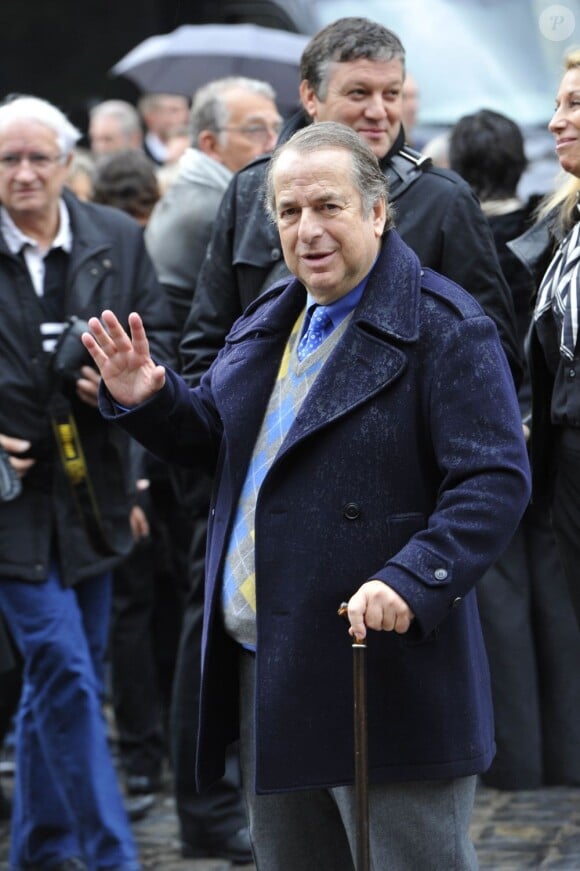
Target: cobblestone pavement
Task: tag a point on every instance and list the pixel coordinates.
(512, 831)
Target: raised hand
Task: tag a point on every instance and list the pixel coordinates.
(124, 361)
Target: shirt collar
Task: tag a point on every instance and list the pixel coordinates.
(156, 147)
(16, 240)
(339, 310)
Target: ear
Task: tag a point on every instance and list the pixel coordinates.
(379, 217)
(208, 142)
(308, 98)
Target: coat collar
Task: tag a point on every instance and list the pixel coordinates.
(389, 306)
(390, 303)
(87, 237)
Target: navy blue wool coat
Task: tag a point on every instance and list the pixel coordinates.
(405, 463)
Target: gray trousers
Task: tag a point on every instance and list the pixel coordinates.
(418, 826)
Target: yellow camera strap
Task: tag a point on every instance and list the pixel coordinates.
(74, 464)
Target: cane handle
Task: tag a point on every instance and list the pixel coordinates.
(343, 612)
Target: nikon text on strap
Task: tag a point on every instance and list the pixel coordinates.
(74, 464)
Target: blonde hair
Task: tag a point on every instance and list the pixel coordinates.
(565, 198)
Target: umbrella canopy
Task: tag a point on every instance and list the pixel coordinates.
(181, 61)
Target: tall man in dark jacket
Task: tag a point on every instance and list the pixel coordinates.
(366, 439)
(233, 120)
(60, 537)
(352, 72)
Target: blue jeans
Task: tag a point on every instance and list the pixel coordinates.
(67, 800)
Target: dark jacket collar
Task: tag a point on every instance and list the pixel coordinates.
(301, 119)
(389, 305)
(394, 149)
(87, 235)
(294, 123)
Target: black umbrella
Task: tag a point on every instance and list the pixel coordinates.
(181, 61)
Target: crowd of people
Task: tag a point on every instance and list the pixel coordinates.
(255, 367)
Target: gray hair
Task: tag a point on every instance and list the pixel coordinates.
(366, 173)
(124, 113)
(346, 40)
(210, 111)
(28, 108)
(153, 100)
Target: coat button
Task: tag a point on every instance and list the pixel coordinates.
(440, 574)
(275, 253)
(456, 602)
(107, 263)
(351, 511)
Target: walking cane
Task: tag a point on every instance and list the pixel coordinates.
(361, 764)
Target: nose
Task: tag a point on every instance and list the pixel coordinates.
(557, 121)
(24, 170)
(309, 227)
(375, 107)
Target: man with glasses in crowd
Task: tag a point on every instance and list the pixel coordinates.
(65, 523)
(233, 120)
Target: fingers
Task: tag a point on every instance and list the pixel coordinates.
(377, 606)
(93, 346)
(139, 523)
(91, 375)
(21, 466)
(107, 336)
(14, 445)
(138, 335)
(356, 615)
(87, 386)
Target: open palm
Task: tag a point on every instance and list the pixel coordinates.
(124, 361)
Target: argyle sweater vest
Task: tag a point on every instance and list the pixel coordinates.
(291, 387)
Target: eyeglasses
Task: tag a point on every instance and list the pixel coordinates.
(259, 132)
(36, 160)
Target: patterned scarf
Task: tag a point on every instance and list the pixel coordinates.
(560, 292)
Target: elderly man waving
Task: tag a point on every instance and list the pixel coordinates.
(367, 443)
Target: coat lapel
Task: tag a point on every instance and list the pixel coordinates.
(370, 354)
(90, 257)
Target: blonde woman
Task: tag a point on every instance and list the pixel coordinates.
(551, 249)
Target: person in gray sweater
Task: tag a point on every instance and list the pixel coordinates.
(233, 120)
